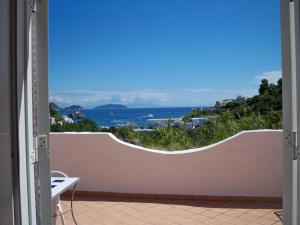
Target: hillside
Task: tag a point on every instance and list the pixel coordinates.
(73, 108)
(268, 100)
(54, 107)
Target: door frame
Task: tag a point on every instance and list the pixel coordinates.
(291, 120)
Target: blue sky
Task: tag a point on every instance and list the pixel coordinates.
(147, 53)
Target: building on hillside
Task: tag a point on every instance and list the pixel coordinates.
(68, 119)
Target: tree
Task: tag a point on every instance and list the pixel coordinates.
(264, 86)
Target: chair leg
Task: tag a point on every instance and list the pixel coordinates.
(59, 208)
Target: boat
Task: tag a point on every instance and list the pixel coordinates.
(148, 116)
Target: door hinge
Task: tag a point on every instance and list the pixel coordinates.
(290, 139)
(40, 142)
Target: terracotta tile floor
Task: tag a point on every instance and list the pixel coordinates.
(112, 211)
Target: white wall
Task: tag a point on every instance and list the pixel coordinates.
(248, 164)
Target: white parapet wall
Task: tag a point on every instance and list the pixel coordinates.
(247, 164)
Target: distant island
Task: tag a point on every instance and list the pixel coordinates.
(111, 106)
(73, 108)
(54, 107)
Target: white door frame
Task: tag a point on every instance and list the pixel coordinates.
(291, 119)
(42, 111)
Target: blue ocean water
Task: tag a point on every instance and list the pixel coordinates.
(138, 116)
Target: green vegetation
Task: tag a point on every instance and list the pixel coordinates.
(54, 112)
(263, 111)
(179, 138)
(268, 100)
(200, 112)
(83, 125)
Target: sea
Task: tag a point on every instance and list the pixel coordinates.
(136, 116)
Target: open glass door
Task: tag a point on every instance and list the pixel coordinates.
(25, 196)
(291, 101)
(6, 200)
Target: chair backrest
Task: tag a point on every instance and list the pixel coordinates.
(58, 174)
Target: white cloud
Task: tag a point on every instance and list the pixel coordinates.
(271, 76)
(94, 97)
(196, 96)
(199, 90)
(147, 97)
(225, 92)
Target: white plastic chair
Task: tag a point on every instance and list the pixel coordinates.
(58, 204)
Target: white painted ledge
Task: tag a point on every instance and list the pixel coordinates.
(164, 151)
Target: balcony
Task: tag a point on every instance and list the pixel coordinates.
(236, 181)
(129, 211)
